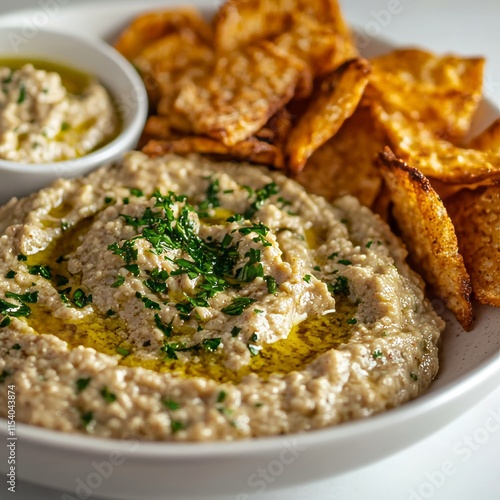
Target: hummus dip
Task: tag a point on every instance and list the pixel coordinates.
(182, 299)
(42, 121)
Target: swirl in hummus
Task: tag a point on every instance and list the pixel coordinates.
(182, 299)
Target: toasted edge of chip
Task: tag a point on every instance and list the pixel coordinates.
(251, 150)
(429, 235)
(476, 215)
(337, 97)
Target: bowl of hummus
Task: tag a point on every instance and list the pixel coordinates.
(59, 118)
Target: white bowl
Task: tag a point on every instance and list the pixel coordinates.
(91, 56)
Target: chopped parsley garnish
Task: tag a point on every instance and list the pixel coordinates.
(254, 337)
(15, 310)
(377, 354)
(126, 201)
(87, 418)
(414, 376)
(212, 198)
(22, 257)
(352, 321)
(82, 384)
(235, 331)
(22, 93)
(110, 313)
(118, 281)
(345, 262)
(163, 327)
(221, 397)
(40, 270)
(28, 297)
(64, 225)
(4, 375)
(122, 351)
(11, 274)
(65, 126)
(108, 396)
(177, 426)
(252, 269)
(317, 268)
(260, 197)
(136, 192)
(333, 255)
(133, 269)
(211, 345)
(369, 244)
(80, 299)
(108, 200)
(16, 347)
(272, 286)
(237, 306)
(5, 322)
(307, 278)
(258, 311)
(340, 286)
(170, 404)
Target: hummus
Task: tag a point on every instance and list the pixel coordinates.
(41, 121)
(181, 299)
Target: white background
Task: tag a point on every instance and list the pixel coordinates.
(462, 461)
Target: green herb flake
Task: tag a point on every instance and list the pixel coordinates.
(166, 329)
(5, 322)
(369, 244)
(352, 321)
(16, 310)
(221, 397)
(108, 396)
(126, 201)
(133, 269)
(237, 306)
(333, 255)
(272, 286)
(87, 419)
(317, 268)
(61, 280)
(345, 262)
(377, 354)
(176, 426)
(28, 297)
(414, 376)
(40, 270)
(170, 404)
(340, 286)
(22, 257)
(82, 384)
(307, 278)
(122, 351)
(22, 93)
(11, 274)
(138, 193)
(64, 225)
(211, 345)
(65, 126)
(16, 347)
(80, 299)
(235, 331)
(120, 279)
(258, 311)
(108, 200)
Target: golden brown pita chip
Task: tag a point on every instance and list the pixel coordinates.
(240, 95)
(277, 129)
(437, 158)
(251, 150)
(441, 92)
(337, 97)
(150, 27)
(488, 140)
(476, 215)
(346, 163)
(241, 23)
(429, 235)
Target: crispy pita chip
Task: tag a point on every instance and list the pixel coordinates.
(317, 44)
(441, 92)
(244, 90)
(346, 163)
(338, 96)
(150, 27)
(476, 215)
(251, 150)
(277, 129)
(437, 158)
(429, 235)
(241, 23)
(488, 140)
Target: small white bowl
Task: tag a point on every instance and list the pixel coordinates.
(91, 56)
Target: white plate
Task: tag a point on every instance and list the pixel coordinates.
(470, 368)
